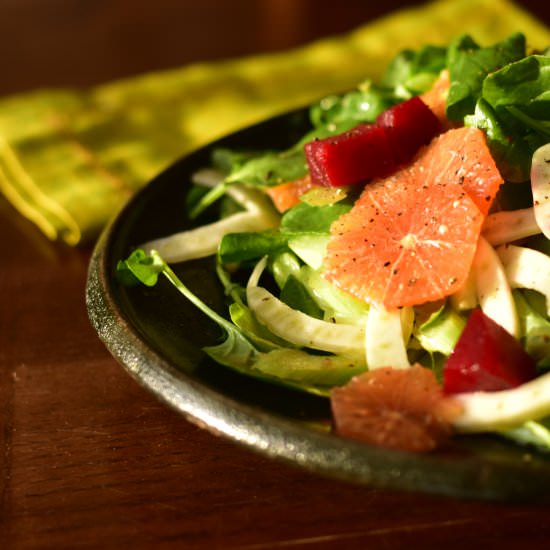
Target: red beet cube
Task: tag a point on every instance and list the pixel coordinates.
(486, 358)
(357, 155)
(370, 151)
(410, 125)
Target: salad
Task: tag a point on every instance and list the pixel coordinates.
(396, 258)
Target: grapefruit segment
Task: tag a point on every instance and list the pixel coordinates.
(436, 98)
(286, 195)
(411, 237)
(402, 409)
(462, 155)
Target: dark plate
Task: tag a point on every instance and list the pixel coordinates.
(157, 336)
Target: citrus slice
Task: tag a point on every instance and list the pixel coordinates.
(286, 195)
(410, 238)
(401, 409)
(436, 97)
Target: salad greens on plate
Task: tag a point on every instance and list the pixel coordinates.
(396, 258)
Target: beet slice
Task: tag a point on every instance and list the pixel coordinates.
(410, 125)
(359, 154)
(371, 151)
(486, 358)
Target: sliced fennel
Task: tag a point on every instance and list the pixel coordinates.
(283, 266)
(311, 249)
(254, 331)
(441, 331)
(507, 226)
(465, 298)
(527, 268)
(258, 214)
(297, 327)
(540, 187)
(339, 306)
(535, 329)
(305, 368)
(532, 433)
(501, 410)
(493, 289)
(385, 343)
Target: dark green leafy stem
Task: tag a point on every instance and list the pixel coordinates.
(312, 373)
(235, 351)
(208, 199)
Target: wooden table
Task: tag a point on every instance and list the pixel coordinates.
(89, 459)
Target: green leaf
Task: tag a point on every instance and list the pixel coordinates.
(441, 331)
(512, 156)
(235, 351)
(139, 268)
(304, 218)
(524, 84)
(271, 168)
(469, 65)
(352, 108)
(242, 247)
(413, 72)
(514, 110)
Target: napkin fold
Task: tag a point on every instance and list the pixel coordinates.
(69, 159)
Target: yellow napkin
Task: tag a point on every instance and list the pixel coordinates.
(69, 159)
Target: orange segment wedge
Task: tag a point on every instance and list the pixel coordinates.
(411, 237)
(402, 409)
(436, 97)
(286, 195)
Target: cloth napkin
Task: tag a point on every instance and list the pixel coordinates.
(69, 159)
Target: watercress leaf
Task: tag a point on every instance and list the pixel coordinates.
(399, 69)
(229, 160)
(139, 268)
(271, 168)
(512, 156)
(524, 84)
(304, 218)
(469, 64)
(241, 247)
(235, 350)
(413, 72)
(350, 109)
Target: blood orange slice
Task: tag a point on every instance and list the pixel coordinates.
(401, 409)
(411, 238)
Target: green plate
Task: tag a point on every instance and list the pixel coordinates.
(157, 336)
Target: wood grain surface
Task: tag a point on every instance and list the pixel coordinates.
(88, 458)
